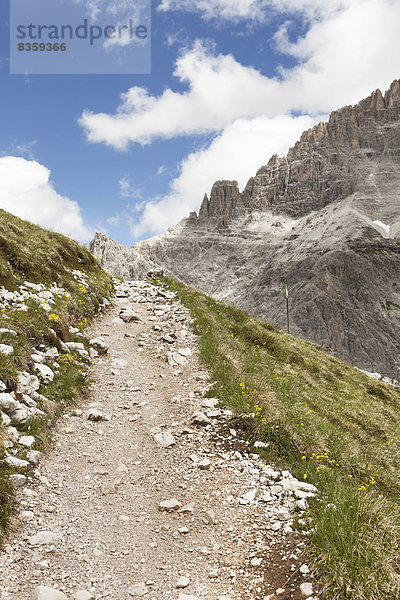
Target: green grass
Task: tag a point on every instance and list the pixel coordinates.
(329, 424)
(30, 253)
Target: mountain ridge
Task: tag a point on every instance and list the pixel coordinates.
(326, 217)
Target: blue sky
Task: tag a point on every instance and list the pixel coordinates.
(232, 82)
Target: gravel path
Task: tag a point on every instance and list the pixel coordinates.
(94, 518)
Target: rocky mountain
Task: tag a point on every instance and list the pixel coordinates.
(326, 218)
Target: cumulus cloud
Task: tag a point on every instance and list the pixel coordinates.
(340, 59)
(26, 191)
(220, 89)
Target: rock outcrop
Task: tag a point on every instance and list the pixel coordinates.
(326, 217)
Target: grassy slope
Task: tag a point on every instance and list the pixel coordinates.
(30, 253)
(331, 425)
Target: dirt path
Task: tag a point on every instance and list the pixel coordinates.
(91, 511)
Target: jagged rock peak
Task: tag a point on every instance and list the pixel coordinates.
(321, 168)
(224, 204)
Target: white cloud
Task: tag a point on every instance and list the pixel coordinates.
(26, 191)
(128, 189)
(254, 10)
(224, 159)
(24, 149)
(343, 58)
(349, 49)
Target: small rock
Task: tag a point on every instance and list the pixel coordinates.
(44, 538)
(209, 517)
(304, 569)
(256, 562)
(17, 480)
(95, 415)
(204, 464)
(185, 352)
(169, 505)
(108, 488)
(82, 595)
(27, 440)
(18, 463)
(27, 515)
(165, 439)
(199, 418)
(6, 349)
(280, 591)
(43, 592)
(45, 372)
(188, 508)
(27, 384)
(139, 589)
(306, 589)
(182, 582)
(99, 344)
(129, 316)
(8, 404)
(33, 456)
(187, 597)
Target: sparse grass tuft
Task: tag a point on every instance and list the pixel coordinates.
(329, 424)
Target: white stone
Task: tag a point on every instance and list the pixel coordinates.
(43, 592)
(129, 316)
(27, 384)
(9, 332)
(182, 582)
(44, 538)
(169, 505)
(93, 414)
(82, 595)
(256, 562)
(45, 372)
(187, 597)
(17, 480)
(18, 463)
(304, 569)
(27, 440)
(6, 349)
(100, 345)
(33, 456)
(7, 403)
(5, 419)
(209, 517)
(306, 589)
(204, 464)
(27, 515)
(199, 418)
(13, 434)
(185, 352)
(165, 439)
(250, 496)
(139, 589)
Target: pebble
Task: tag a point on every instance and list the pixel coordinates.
(204, 464)
(27, 440)
(169, 505)
(82, 595)
(46, 593)
(165, 439)
(18, 480)
(44, 538)
(139, 589)
(306, 589)
(182, 582)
